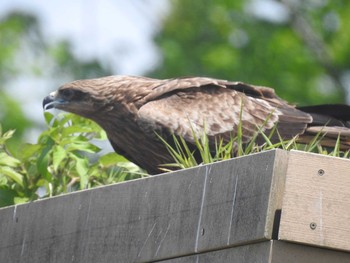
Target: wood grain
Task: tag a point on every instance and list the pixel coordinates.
(196, 210)
(272, 251)
(316, 203)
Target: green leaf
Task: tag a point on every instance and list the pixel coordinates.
(48, 117)
(7, 196)
(82, 146)
(12, 174)
(58, 155)
(130, 168)
(43, 162)
(81, 166)
(8, 160)
(82, 170)
(73, 139)
(3, 180)
(21, 200)
(110, 159)
(76, 129)
(7, 135)
(28, 150)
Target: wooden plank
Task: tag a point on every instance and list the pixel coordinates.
(287, 252)
(241, 199)
(316, 204)
(257, 252)
(267, 252)
(174, 214)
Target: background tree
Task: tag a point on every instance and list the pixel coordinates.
(301, 49)
(59, 160)
(25, 53)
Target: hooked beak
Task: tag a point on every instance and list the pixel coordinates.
(51, 101)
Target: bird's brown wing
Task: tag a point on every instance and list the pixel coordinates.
(196, 105)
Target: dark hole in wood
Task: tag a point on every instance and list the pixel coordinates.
(276, 224)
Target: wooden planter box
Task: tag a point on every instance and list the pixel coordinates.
(275, 206)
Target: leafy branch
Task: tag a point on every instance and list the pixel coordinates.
(60, 162)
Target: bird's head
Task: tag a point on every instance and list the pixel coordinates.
(83, 97)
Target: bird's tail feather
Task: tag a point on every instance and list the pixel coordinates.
(331, 121)
(329, 114)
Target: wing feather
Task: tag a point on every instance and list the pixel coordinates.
(187, 106)
(210, 109)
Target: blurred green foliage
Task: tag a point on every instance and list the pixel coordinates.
(11, 30)
(303, 56)
(25, 52)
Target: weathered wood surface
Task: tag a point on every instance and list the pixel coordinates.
(170, 215)
(267, 252)
(316, 204)
(213, 213)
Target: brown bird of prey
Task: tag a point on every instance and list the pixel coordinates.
(133, 110)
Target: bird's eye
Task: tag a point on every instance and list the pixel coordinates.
(72, 94)
(67, 93)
